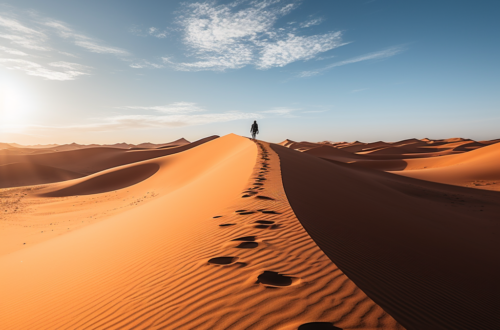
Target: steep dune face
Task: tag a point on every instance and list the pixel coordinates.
(423, 251)
(24, 174)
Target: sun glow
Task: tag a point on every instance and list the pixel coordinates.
(15, 108)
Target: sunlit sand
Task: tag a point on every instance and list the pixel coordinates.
(231, 233)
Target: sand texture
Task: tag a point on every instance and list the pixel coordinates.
(230, 233)
(425, 252)
(216, 247)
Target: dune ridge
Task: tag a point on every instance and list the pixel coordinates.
(240, 259)
(461, 162)
(81, 162)
(476, 168)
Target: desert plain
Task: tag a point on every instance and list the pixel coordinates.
(231, 233)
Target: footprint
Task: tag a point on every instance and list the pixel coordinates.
(249, 192)
(264, 197)
(226, 224)
(264, 222)
(269, 212)
(318, 326)
(248, 245)
(245, 196)
(238, 211)
(245, 238)
(245, 213)
(261, 226)
(217, 216)
(223, 260)
(275, 279)
(258, 184)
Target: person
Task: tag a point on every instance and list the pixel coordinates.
(254, 129)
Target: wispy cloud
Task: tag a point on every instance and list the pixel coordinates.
(312, 22)
(19, 34)
(37, 35)
(12, 51)
(281, 111)
(234, 35)
(66, 71)
(83, 41)
(174, 108)
(142, 64)
(151, 31)
(150, 121)
(371, 56)
(155, 32)
(295, 48)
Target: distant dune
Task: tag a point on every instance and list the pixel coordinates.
(230, 233)
(462, 162)
(82, 161)
(26, 174)
(402, 241)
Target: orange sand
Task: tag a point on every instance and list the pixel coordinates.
(225, 233)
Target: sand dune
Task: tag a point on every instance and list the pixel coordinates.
(477, 168)
(423, 251)
(456, 161)
(332, 153)
(83, 162)
(75, 146)
(109, 180)
(227, 233)
(25, 174)
(217, 247)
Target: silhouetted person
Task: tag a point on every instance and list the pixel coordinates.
(255, 129)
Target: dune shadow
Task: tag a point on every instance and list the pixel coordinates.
(245, 238)
(223, 260)
(248, 245)
(275, 279)
(318, 326)
(108, 181)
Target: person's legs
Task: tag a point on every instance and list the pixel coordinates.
(253, 135)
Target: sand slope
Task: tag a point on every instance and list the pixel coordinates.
(423, 251)
(478, 168)
(91, 277)
(76, 163)
(216, 247)
(23, 174)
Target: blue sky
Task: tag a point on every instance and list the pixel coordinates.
(341, 70)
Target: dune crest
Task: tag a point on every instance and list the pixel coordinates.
(82, 162)
(218, 246)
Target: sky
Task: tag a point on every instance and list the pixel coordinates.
(339, 70)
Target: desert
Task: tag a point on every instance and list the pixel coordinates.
(249, 165)
(233, 233)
